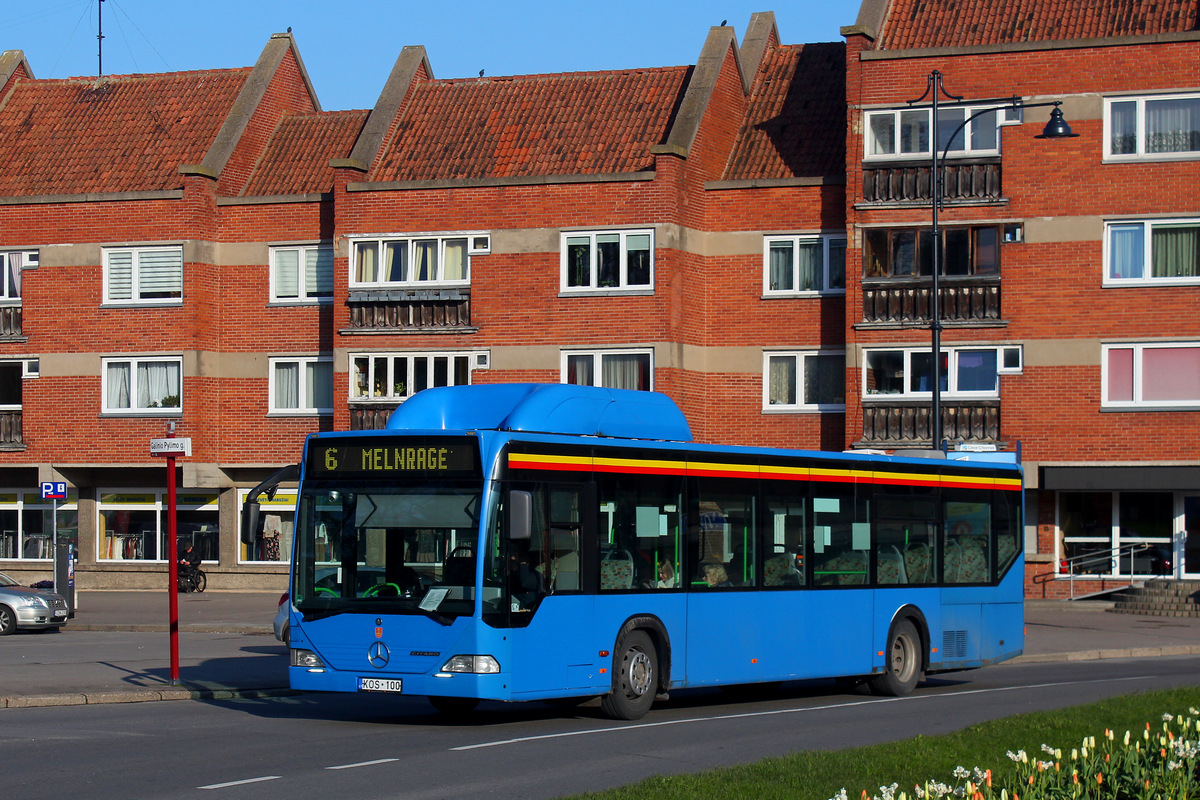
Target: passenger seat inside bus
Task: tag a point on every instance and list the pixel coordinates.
(616, 571)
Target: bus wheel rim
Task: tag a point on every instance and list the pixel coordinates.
(639, 672)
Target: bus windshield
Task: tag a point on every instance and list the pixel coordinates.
(395, 547)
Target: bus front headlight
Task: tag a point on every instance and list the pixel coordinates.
(475, 665)
(306, 658)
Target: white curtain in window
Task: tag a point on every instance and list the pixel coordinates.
(12, 281)
(287, 385)
(425, 260)
(120, 275)
(454, 262)
(1173, 126)
(157, 381)
(624, 371)
(781, 380)
(287, 273)
(318, 272)
(118, 385)
(1175, 251)
(396, 267)
(160, 273)
(779, 265)
(319, 386)
(808, 264)
(580, 370)
(367, 262)
(1122, 128)
(1126, 248)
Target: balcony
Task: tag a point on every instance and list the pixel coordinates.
(372, 417)
(906, 423)
(963, 300)
(966, 181)
(10, 321)
(418, 311)
(11, 437)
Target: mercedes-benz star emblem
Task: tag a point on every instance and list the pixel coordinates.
(378, 655)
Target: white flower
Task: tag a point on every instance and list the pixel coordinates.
(1167, 717)
(961, 773)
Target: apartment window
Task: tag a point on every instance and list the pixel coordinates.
(905, 132)
(143, 385)
(415, 261)
(804, 381)
(132, 524)
(301, 274)
(966, 372)
(143, 274)
(908, 252)
(611, 369)
(1152, 127)
(396, 376)
(301, 385)
(795, 264)
(11, 264)
(1152, 252)
(1162, 375)
(607, 260)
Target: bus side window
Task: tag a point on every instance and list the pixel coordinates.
(783, 538)
(968, 535)
(640, 548)
(840, 535)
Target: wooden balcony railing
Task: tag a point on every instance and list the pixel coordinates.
(423, 309)
(963, 181)
(10, 429)
(372, 417)
(908, 300)
(906, 423)
(10, 321)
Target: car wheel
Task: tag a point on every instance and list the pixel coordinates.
(902, 669)
(8, 620)
(635, 678)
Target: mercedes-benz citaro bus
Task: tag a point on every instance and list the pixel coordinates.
(527, 542)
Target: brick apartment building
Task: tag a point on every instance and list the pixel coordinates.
(211, 250)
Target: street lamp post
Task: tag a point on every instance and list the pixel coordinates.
(1056, 128)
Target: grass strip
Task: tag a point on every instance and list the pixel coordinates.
(912, 762)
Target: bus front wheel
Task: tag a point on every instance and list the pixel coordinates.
(635, 678)
(902, 669)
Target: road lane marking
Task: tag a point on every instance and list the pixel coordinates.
(364, 763)
(240, 783)
(775, 712)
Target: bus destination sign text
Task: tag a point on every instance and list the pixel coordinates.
(375, 458)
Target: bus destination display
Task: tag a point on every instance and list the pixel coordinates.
(393, 457)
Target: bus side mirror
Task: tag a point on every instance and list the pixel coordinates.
(519, 510)
(250, 522)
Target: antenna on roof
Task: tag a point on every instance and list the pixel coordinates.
(100, 39)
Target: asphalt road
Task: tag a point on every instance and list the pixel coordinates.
(371, 747)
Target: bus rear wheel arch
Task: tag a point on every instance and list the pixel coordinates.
(903, 660)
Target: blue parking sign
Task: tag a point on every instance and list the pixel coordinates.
(54, 490)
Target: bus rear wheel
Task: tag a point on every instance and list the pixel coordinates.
(902, 669)
(635, 678)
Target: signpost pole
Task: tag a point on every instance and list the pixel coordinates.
(173, 561)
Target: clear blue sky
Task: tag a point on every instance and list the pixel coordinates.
(349, 47)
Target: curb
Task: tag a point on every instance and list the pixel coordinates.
(110, 696)
(1095, 655)
(158, 627)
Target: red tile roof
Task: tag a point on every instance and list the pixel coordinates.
(913, 24)
(116, 134)
(577, 123)
(296, 159)
(795, 123)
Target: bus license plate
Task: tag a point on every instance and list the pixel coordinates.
(379, 684)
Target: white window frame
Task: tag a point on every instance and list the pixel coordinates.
(136, 288)
(952, 361)
(800, 357)
(10, 274)
(1004, 116)
(1148, 226)
(133, 409)
(472, 246)
(138, 499)
(598, 363)
(29, 369)
(383, 388)
(1140, 153)
(623, 285)
(305, 294)
(301, 409)
(827, 242)
(1139, 349)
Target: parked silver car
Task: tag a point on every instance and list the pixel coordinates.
(29, 609)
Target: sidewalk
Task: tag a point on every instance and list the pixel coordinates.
(227, 649)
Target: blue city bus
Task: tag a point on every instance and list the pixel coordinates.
(529, 542)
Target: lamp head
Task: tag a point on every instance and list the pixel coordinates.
(1057, 127)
